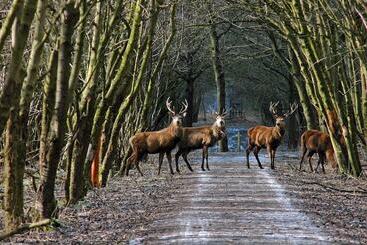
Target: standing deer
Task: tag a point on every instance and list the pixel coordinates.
(162, 141)
(194, 138)
(314, 141)
(268, 137)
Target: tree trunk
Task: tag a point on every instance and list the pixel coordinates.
(293, 127)
(219, 78)
(113, 90)
(11, 90)
(46, 203)
(197, 108)
(15, 137)
(14, 11)
(157, 68)
(79, 184)
(189, 95)
(308, 111)
(111, 148)
(13, 175)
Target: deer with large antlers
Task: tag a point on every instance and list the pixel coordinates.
(268, 137)
(194, 138)
(162, 141)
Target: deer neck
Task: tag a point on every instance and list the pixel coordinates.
(174, 130)
(217, 131)
(279, 131)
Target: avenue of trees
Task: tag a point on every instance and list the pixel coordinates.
(79, 77)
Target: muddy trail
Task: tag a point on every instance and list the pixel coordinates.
(231, 204)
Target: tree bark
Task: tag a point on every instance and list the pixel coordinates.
(114, 89)
(15, 148)
(14, 11)
(11, 90)
(189, 95)
(293, 127)
(308, 111)
(46, 202)
(219, 78)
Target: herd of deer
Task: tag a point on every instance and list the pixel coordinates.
(188, 139)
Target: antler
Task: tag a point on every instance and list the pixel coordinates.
(184, 107)
(224, 113)
(168, 105)
(272, 107)
(293, 108)
(212, 111)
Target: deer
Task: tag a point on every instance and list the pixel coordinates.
(162, 141)
(203, 137)
(268, 137)
(314, 141)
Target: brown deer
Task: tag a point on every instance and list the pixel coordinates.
(268, 137)
(314, 141)
(194, 138)
(162, 141)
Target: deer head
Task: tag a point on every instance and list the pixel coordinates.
(176, 117)
(280, 119)
(219, 119)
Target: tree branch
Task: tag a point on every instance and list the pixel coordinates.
(25, 227)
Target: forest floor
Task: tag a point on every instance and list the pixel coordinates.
(336, 203)
(229, 203)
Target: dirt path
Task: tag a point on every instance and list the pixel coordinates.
(231, 204)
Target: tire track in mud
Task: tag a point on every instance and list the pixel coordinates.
(233, 204)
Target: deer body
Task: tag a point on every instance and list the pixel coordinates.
(267, 137)
(157, 141)
(162, 141)
(194, 138)
(314, 141)
(263, 136)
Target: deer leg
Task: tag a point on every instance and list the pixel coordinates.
(310, 154)
(133, 159)
(203, 158)
(318, 163)
(169, 158)
(256, 152)
(206, 157)
(272, 159)
(184, 155)
(322, 161)
(248, 150)
(303, 156)
(129, 161)
(138, 168)
(160, 162)
(270, 152)
(177, 156)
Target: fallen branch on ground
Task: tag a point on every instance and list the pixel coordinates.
(335, 189)
(25, 227)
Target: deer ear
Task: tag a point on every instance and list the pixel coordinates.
(184, 114)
